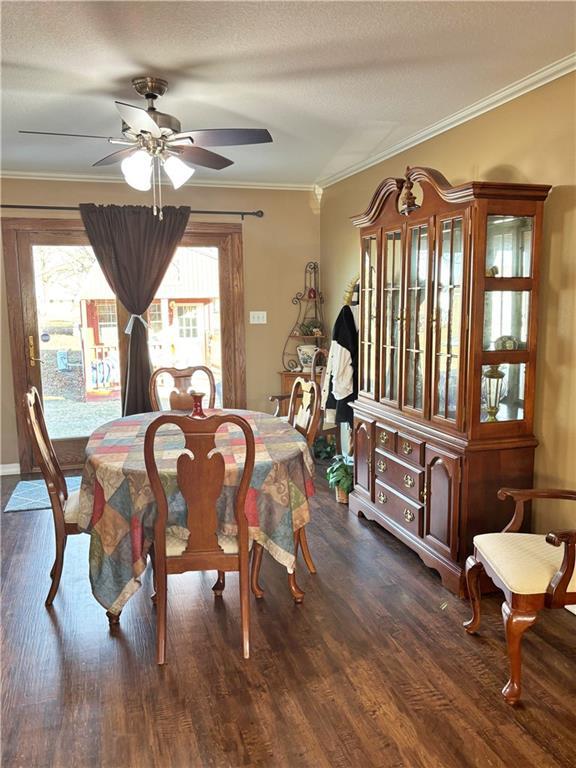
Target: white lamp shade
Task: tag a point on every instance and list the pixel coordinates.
(137, 170)
(177, 171)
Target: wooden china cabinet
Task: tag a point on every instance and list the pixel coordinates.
(448, 306)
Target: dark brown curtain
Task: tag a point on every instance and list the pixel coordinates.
(134, 249)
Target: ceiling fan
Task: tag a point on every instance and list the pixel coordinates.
(155, 140)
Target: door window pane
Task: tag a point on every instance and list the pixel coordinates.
(448, 316)
(78, 340)
(416, 321)
(184, 319)
(391, 316)
(368, 308)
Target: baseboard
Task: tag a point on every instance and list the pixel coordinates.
(9, 469)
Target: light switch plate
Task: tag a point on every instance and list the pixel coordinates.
(258, 318)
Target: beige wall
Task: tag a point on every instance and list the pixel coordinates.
(276, 249)
(531, 139)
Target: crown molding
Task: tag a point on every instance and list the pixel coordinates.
(513, 91)
(79, 178)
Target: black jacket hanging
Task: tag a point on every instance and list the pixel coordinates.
(341, 380)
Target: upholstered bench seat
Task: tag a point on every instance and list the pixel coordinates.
(523, 561)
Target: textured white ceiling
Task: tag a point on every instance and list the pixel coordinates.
(336, 83)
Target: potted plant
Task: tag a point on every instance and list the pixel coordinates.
(340, 475)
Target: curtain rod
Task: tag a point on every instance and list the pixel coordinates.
(242, 214)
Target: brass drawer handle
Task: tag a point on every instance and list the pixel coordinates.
(382, 498)
(382, 466)
(409, 515)
(383, 438)
(406, 448)
(408, 481)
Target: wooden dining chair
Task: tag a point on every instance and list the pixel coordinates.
(182, 378)
(304, 416)
(200, 478)
(528, 570)
(325, 428)
(65, 506)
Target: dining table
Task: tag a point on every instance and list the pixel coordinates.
(118, 508)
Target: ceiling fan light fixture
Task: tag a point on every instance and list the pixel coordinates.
(177, 171)
(137, 170)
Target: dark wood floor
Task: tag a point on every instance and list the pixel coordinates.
(373, 669)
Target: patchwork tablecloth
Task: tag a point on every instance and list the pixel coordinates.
(117, 506)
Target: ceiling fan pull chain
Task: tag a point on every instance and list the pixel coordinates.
(160, 214)
(154, 209)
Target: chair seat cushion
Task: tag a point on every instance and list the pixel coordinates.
(524, 562)
(72, 507)
(177, 538)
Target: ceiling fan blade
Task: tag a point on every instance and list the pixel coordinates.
(138, 119)
(115, 157)
(200, 156)
(75, 135)
(225, 137)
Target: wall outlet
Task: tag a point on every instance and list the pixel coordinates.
(258, 318)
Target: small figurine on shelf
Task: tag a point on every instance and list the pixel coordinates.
(312, 293)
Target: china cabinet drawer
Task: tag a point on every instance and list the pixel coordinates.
(399, 509)
(405, 478)
(385, 438)
(410, 449)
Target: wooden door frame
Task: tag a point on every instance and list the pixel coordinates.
(226, 237)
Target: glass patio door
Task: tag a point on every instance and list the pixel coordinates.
(67, 328)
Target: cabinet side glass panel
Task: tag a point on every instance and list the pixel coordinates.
(368, 308)
(509, 246)
(418, 258)
(447, 316)
(391, 316)
(503, 388)
(506, 315)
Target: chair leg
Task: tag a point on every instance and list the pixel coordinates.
(56, 572)
(515, 624)
(300, 538)
(218, 587)
(244, 580)
(161, 599)
(297, 593)
(257, 552)
(473, 572)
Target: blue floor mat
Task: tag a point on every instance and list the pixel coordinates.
(32, 494)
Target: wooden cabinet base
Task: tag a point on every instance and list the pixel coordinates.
(451, 574)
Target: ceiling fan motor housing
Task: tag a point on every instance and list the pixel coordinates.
(150, 87)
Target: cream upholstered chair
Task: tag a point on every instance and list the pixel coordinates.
(65, 507)
(531, 571)
(182, 378)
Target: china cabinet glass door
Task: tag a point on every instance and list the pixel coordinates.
(391, 316)
(447, 317)
(416, 316)
(507, 302)
(368, 312)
